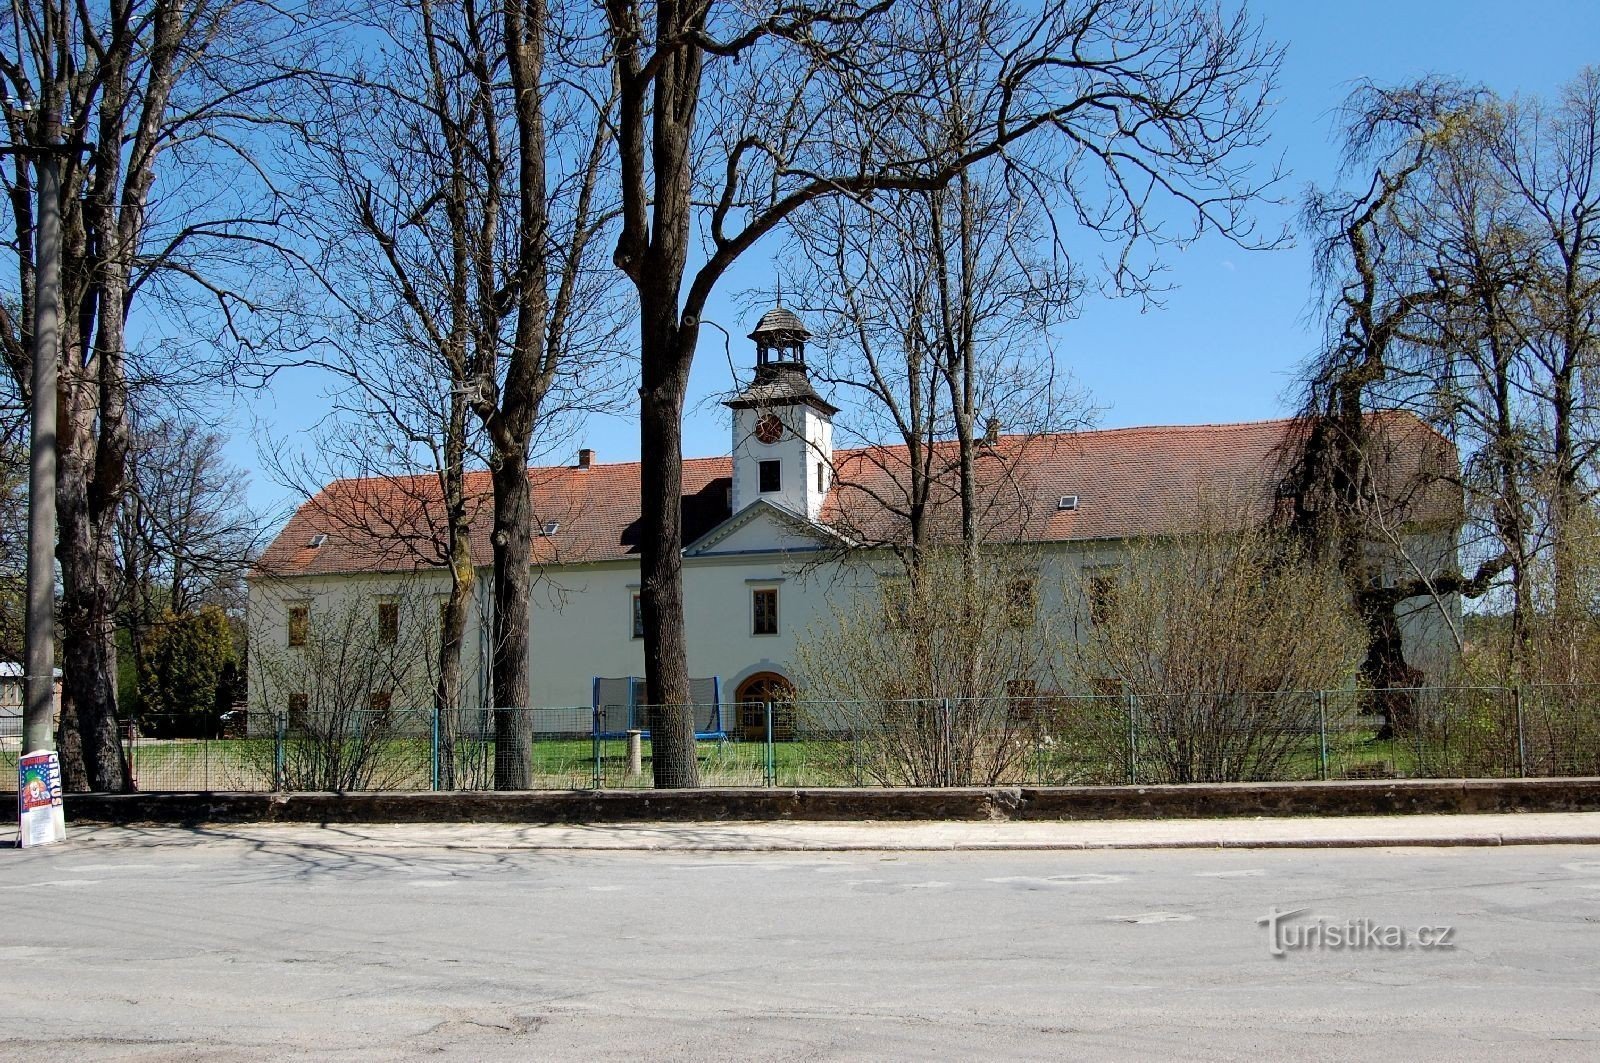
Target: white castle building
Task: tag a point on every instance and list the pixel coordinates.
(775, 532)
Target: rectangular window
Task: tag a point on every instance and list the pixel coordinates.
(822, 478)
(638, 617)
(764, 611)
(388, 623)
(298, 703)
(1021, 695)
(897, 603)
(771, 476)
(299, 624)
(1020, 602)
(379, 702)
(1102, 597)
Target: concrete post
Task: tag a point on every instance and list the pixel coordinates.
(38, 730)
(771, 753)
(635, 753)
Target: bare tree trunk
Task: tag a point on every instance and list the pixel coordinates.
(513, 723)
(91, 748)
(93, 453)
(453, 617)
(673, 761)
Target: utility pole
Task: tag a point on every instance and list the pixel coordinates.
(38, 721)
(38, 731)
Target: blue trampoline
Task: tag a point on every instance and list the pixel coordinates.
(620, 707)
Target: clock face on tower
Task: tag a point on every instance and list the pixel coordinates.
(769, 429)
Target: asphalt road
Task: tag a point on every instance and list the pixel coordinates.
(224, 949)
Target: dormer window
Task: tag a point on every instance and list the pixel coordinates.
(771, 476)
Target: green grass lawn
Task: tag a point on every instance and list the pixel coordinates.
(406, 763)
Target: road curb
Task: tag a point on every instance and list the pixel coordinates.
(708, 840)
(964, 804)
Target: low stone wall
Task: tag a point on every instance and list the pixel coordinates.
(977, 803)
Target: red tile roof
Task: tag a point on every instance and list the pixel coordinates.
(1130, 483)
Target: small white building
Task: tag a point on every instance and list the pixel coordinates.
(775, 533)
(14, 699)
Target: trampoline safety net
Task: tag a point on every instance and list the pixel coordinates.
(619, 705)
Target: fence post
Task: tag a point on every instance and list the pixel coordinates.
(770, 751)
(946, 744)
(594, 740)
(1322, 735)
(1418, 726)
(1133, 739)
(433, 758)
(280, 727)
(1522, 734)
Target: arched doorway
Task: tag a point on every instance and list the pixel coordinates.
(752, 698)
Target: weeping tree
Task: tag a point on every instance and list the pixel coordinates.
(731, 119)
(1460, 270)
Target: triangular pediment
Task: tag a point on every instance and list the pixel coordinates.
(765, 526)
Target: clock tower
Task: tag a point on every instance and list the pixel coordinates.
(782, 429)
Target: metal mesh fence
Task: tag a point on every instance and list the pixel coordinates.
(10, 746)
(1434, 732)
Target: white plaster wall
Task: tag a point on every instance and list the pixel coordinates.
(582, 621)
(270, 599)
(819, 448)
(581, 615)
(765, 533)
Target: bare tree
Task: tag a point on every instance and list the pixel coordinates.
(1548, 160)
(153, 105)
(185, 533)
(345, 697)
(935, 310)
(931, 679)
(455, 170)
(1148, 98)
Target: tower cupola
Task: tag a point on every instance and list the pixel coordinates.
(782, 429)
(780, 338)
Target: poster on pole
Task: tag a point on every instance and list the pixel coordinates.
(42, 818)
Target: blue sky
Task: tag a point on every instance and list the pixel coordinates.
(1227, 342)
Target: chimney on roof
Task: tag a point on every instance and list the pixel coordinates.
(991, 432)
(585, 458)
